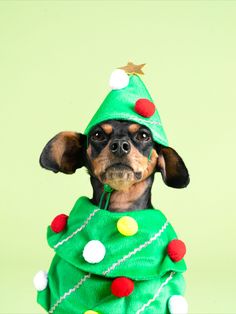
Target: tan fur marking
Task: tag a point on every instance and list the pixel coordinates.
(89, 150)
(134, 128)
(122, 200)
(107, 128)
(59, 145)
(168, 161)
(102, 162)
(151, 164)
(141, 163)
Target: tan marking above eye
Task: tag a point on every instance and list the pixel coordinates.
(134, 128)
(107, 128)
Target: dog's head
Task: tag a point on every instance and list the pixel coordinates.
(119, 153)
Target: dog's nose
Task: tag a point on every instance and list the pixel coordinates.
(120, 147)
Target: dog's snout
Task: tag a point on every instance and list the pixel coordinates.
(120, 147)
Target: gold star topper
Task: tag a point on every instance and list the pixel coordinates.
(132, 68)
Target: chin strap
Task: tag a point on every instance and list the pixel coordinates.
(106, 189)
(150, 154)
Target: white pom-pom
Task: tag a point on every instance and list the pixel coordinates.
(178, 305)
(119, 79)
(94, 252)
(40, 280)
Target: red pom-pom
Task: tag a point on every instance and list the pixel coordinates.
(122, 287)
(176, 250)
(59, 223)
(144, 107)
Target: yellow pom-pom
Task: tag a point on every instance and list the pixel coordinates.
(127, 226)
(91, 312)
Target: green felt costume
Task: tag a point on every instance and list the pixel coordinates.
(75, 286)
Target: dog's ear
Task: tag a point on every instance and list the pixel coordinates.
(65, 152)
(173, 170)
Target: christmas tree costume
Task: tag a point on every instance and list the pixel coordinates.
(107, 262)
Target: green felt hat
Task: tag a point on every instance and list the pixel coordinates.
(130, 100)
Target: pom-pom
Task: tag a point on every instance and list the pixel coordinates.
(118, 79)
(178, 305)
(176, 250)
(127, 226)
(94, 251)
(59, 223)
(144, 107)
(122, 287)
(40, 280)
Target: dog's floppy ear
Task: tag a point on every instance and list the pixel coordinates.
(173, 170)
(65, 152)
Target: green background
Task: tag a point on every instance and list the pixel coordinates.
(55, 61)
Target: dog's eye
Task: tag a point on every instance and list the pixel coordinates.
(143, 136)
(98, 136)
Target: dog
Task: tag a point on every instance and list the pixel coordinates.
(117, 155)
(115, 253)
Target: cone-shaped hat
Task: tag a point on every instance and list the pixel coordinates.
(130, 100)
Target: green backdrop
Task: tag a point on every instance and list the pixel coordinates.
(55, 61)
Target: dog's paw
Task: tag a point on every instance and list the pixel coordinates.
(178, 305)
